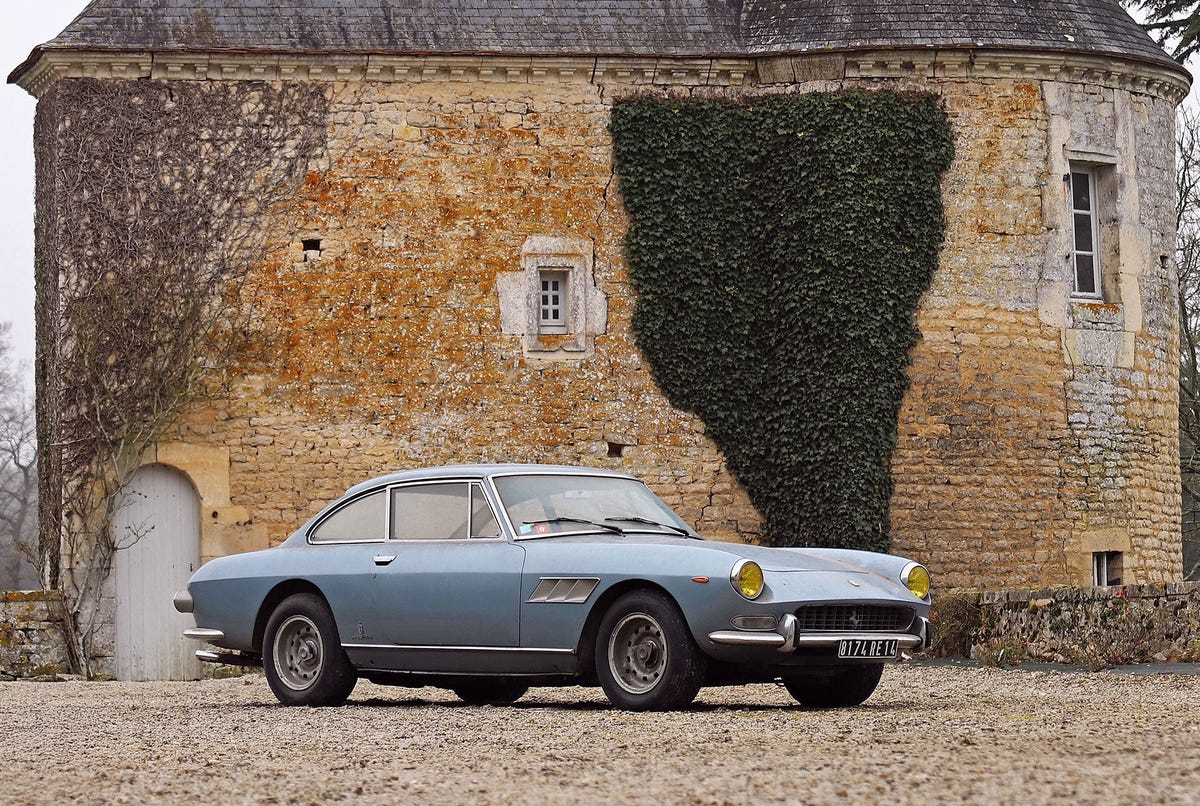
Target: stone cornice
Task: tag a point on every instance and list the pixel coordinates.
(952, 64)
(962, 64)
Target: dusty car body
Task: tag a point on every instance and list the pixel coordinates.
(489, 579)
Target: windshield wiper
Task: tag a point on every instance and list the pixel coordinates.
(606, 527)
(648, 522)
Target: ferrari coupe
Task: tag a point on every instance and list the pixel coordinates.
(490, 579)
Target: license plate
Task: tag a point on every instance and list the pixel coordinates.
(856, 648)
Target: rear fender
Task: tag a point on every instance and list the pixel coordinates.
(276, 595)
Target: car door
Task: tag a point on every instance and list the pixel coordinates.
(341, 550)
(446, 578)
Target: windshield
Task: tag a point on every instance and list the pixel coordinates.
(547, 504)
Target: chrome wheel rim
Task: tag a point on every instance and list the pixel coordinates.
(298, 653)
(637, 653)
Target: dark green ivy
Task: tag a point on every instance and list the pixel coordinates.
(779, 249)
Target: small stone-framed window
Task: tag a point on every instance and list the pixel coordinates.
(553, 301)
(1085, 233)
(1106, 568)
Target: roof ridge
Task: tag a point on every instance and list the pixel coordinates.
(666, 28)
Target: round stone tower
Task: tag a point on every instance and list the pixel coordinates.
(468, 150)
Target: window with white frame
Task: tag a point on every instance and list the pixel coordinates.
(1085, 247)
(552, 301)
(1106, 568)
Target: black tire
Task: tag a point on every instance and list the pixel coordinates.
(490, 690)
(843, 688)
(645, 656)
(302, 655)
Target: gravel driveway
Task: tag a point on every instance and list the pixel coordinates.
(930, 734)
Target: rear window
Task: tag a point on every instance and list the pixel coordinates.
(360, 520)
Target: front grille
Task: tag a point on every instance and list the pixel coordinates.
(853, 618)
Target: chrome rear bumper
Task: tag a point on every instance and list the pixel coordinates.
(202, 634)
(228, 658)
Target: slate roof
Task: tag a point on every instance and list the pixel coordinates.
(605, 27)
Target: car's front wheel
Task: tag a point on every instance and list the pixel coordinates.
(490, 690)
(303, 657)
(645, 656)
(843, 688)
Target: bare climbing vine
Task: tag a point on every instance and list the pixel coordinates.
(151, 200)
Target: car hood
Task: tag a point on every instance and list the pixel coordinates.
(769, 557)
(793, 559)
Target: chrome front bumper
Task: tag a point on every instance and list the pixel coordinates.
(786, 639)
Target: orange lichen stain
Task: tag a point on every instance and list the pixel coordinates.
(402, 325)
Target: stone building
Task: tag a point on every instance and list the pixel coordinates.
(468, 151)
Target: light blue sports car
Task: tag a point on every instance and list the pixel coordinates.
(490, 579)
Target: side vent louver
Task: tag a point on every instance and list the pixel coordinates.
(565, 590)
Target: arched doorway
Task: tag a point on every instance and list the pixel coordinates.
(157, 529)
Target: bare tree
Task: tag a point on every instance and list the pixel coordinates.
(18, 477)
(150, 207)
(18, 493)
(1187, 260)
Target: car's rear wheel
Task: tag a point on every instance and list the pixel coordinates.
(490, 690)
(303, 657)
(645, 656)
(843, 688)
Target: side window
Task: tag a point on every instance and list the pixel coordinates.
(360, 520)
(483, 520)
(430, 511)
(1085, 221)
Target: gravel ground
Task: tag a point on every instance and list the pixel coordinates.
(930, 734)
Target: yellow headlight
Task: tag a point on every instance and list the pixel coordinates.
(747, 578)
(916, 578)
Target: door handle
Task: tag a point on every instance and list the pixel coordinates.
(384, 559)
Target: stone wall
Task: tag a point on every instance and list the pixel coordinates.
(31, 640)
(385, 348)
(1093, 627)
(1038, 429)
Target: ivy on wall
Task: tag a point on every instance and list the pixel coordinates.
(779, 249)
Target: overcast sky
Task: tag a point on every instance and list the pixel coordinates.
(21, 27)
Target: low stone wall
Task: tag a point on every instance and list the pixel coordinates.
(31, 643)
(1091, 627)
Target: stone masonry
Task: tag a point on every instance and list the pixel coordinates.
(388, 328)
(1038, 429)
(1094, 627)
(31, 640)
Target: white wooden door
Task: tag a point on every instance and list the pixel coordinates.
(157, 529)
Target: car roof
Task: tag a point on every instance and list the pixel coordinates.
(481, 471)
